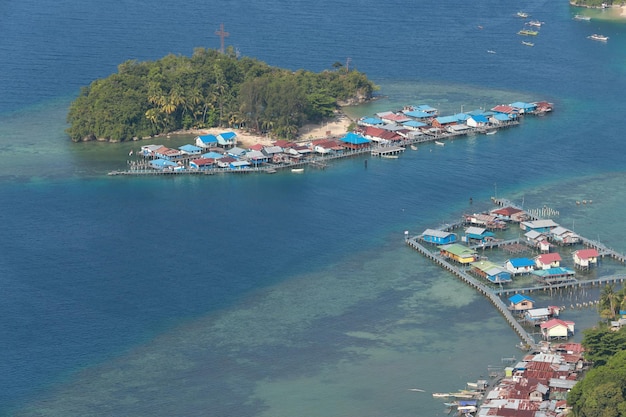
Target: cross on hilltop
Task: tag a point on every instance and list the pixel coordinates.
(222, 34)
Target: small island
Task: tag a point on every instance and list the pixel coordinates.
(211, 89)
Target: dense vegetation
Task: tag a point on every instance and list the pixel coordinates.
(592, 3)
(210, 89)
(602, 392)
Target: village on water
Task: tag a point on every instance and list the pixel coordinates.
(506, 254)
(385, 135)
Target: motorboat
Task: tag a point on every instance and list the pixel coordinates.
(597, 37)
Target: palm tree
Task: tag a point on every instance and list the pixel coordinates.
(609, 302)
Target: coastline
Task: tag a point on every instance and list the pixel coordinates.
(337, 126)
(616, 12)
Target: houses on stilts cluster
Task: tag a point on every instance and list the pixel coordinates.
(385, 135)
(535, 386)
(482, 250)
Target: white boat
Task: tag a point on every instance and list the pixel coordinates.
(271, 171)
(467, 409)
(441, 394)
(597, 37)
(523, 15)
(439, 143)
(130, 153)
(491, 51)
(581, 17)
(414, 147)
(389, 156)
(491, 132)
(297, 170)
(528, 43)
(535, 23)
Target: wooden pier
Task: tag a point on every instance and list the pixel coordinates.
(609, 279)
(477, 285)
(385, 151)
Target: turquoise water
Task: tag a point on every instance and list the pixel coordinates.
(283, 295)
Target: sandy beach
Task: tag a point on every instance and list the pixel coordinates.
(245, 139)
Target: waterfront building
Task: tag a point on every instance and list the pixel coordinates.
(206, 141)
(354, 141)
(521, 302)
(564, 236)
(459, 253)
(585, 258)
(557, 329)
(477, 233)
(438, 236)
(492, 272)
(190, 150)
(227, 139)
(523, 107)
(518, 266)
(548, 260)
(541, 226)
(510, 214)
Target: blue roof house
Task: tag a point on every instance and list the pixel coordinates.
(227, 139)
(206, 141)
(418, 114)
(523, 107)
(190, 150)
(499, 118)
(438, 237)
(477, 120)
(414, 124)
(478, 233)
(371, 121)
(517, 266)
(521, 302)
(163, 164)
(353, 141)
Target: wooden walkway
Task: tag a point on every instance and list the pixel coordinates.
(477, 285)
(610, 279)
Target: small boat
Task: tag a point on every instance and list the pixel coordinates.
(523, 15)
(528, 43)
(528, 32)
(439, 143)
(414, 147)
(416, 390)
(271, 171)
(597, 37)
(389, 156)
(441, 394)
(491, 132)
(491, 51)
(130, 153)
(297, 170)
(535, 23)
(582, 18)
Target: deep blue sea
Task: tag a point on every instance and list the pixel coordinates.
(284, 295)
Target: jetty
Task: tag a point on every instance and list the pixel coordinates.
(478, 286)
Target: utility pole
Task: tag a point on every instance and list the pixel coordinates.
(222, 34)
